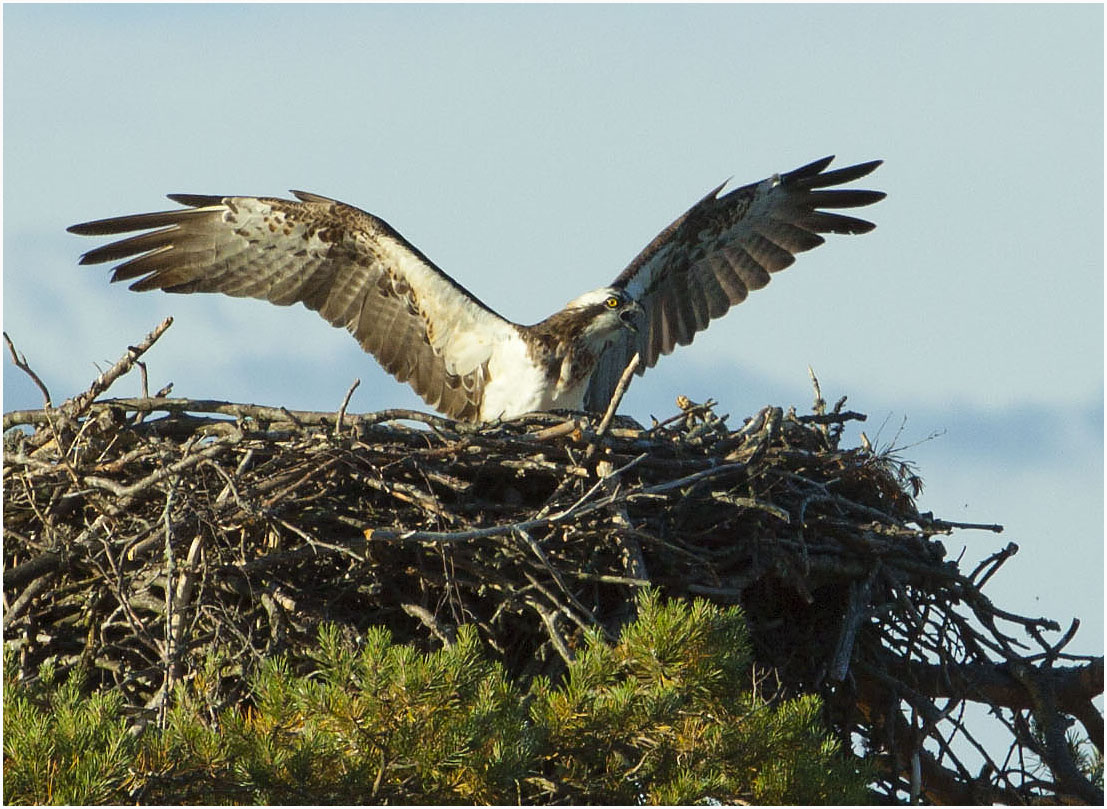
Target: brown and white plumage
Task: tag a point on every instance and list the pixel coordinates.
(425, 329)
(720, 250)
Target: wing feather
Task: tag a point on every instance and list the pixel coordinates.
(719, 250)
(728, 271)
(698, 305)
(788, 236)
(716, 298)
(344, 263)
(768, 255)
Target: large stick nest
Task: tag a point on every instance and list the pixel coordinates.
(142, 534)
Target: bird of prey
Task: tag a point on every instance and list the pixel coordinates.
(427, 330)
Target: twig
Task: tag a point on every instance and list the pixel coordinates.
(169, 653)
(549, 620)
(945, 526)
(503, 526)
(20, 362)
(78, 404)
(446, 634)
(617, 396)
(819, 407)
(992, 564)
(831, 418)
(855, 612)
(345, 404)
(1058, 753)
(126, 493)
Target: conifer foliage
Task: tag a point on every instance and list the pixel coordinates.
(343, 603)
(666, 715)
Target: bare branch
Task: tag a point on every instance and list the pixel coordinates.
(78, 404)
(20, 362)
(239, 528)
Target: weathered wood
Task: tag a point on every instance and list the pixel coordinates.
(140, 534)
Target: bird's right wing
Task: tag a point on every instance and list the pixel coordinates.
(346, 264)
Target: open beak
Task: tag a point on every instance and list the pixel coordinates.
(632, 315)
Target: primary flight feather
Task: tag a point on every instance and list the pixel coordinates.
(429, 331)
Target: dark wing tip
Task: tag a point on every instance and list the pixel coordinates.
(804, 177)
(196, 200)
(307, 196)
(852, 226)
(99, 227)
(843, 198)
(812, 169)
(124, 224)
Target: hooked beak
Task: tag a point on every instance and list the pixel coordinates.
(632, 315)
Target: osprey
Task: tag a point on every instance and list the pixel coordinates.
(429, 331)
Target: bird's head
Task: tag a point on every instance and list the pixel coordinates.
(608, 310)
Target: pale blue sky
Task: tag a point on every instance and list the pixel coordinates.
(531, 151)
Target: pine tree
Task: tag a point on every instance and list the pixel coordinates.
(666, 715)
(186, 561)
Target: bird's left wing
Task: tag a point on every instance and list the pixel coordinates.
(346, 264)
(710, 258)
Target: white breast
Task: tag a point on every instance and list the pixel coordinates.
(517, 386)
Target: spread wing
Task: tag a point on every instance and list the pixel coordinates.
(710, 258)
(344, 263)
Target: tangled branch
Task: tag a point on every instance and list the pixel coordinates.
(142, 534)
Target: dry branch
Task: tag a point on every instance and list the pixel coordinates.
(141, 534)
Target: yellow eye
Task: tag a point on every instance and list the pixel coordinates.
(612, 302)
